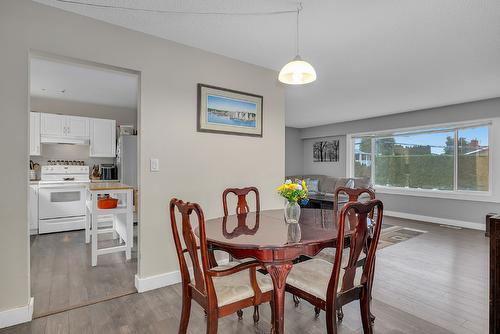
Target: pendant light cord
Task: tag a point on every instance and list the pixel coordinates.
(159, 11)
(299, 9)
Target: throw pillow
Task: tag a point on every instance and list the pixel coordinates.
(312, 185)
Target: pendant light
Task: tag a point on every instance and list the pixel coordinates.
(298, 71)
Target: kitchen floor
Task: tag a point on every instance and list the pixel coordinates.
(62, 277)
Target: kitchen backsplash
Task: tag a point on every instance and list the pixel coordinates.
(68, 152)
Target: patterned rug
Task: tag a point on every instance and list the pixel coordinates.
(389, 235)
(392, 234)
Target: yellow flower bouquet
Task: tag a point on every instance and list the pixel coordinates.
(293, 191)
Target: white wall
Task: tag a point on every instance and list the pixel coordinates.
(336, 169)
(194, 166)
(294, 152)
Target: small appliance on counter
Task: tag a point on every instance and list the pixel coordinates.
(108, 172)
(34, 167)
(96, 173)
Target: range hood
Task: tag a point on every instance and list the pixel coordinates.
(63, 140)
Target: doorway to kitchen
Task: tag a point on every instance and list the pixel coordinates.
(84, 182)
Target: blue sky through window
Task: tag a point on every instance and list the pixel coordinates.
(437, 140)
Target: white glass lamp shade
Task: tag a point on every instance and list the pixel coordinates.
(297, 72)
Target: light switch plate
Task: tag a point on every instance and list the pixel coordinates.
(154, 165)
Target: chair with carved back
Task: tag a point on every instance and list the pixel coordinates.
(220, 290)
(242, 207)
(353, 195)
(330, 285)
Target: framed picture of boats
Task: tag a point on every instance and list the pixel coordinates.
(228, 111)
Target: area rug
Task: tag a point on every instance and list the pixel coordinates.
(393, 234)
(389, 235)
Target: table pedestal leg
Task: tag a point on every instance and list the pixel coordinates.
(279, 273)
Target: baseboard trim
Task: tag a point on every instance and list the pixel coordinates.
(436, 220)
(143, 284)
(17, 315)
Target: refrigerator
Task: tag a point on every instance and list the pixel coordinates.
(126, 160)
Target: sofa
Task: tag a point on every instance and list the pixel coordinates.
(328, 184)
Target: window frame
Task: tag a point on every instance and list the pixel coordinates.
(470, 195)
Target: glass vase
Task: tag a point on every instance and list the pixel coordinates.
(294, 234)
(292, 212)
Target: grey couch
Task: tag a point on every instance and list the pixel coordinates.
(328, 184)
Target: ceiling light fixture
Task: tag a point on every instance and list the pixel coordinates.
(298, 71)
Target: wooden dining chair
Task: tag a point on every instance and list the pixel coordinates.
(220, 290)
(242, 205)
(328, 253)
(330, 285)
(353, 195)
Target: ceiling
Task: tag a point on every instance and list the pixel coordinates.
(373, 58)
(81, 83)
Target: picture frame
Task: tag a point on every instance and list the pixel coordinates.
(227, 111)
(326, 151)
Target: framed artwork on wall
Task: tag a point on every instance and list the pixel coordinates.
(326, 151)
(227, 111)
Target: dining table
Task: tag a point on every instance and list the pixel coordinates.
(267, 238)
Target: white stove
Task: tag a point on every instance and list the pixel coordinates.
(61, 198)
(64, 174)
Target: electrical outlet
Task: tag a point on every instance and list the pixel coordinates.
(154, 165)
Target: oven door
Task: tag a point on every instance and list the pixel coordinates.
(59, 201)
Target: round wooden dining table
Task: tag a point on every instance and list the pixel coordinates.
(266, 237)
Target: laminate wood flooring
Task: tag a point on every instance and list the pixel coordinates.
(62, 276)
(435, 283)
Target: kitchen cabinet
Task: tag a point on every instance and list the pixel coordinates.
(77, 126)
(102, 138)
(54, 127)
(33, 209)
(99, 133)
(34, 133)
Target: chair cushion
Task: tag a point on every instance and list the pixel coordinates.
(314, 275)
(328, 254)
(235, 287)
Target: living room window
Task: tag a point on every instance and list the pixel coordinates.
(444, 159)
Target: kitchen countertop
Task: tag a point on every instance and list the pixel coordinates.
(109, 186)
(101, 181)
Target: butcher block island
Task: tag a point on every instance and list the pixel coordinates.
(119, 219)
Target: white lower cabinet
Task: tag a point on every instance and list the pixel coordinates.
(33, 209)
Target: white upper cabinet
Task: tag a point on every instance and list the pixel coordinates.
(52, 128)
(34, 133)
(52, 125)
(62, 126)
(77, 126)
(102, 137)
